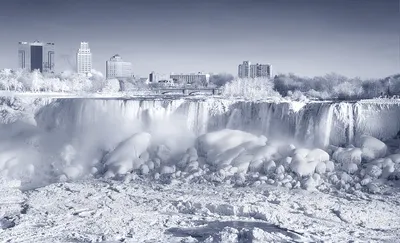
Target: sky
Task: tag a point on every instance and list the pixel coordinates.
(305, 37)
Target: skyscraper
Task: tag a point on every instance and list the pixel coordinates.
(117, 68)
(244, 70)
(84, 59)
(36, 56)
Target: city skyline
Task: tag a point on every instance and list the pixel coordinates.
(309, 38)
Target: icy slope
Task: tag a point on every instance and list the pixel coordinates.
(315, 123)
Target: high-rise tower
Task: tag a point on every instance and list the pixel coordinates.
(84, 59)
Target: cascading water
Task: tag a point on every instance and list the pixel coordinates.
(317, 123)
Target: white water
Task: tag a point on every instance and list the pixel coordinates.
(314, 124)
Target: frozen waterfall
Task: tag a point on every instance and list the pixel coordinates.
(314, 123)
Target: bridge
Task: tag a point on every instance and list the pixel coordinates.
(190, 91)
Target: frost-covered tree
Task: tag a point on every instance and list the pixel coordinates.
(5, 78)
(220, 79)
(259, 88)
(37, 81)
(112, 86)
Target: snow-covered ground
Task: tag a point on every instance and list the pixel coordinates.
(81, 170)
(142, 209)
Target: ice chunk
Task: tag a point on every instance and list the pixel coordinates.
(224, 140)
(371, 147)
(347, 155)
(303, 166)
(321, 168)
(226, 157)
(256, 165)
(269, 166)
(286, 149)
(126, 155)
(144, 169)
(350, 168)
(131, 148)
(395, 158)
(73, 172)
(242, 162)
(318, 155)
(266, 152)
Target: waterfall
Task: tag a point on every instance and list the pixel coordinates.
(316, 123)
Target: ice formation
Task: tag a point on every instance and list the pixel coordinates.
(207, 139)
(316, 123)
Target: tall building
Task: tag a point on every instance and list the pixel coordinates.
(248, 70)
(244, 70)
(264, 70)
(153, 77)
(36, 56)
(84, 59)
(190, 78)
(253, 70)
(117, 68)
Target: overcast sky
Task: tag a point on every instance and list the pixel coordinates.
(305, 37)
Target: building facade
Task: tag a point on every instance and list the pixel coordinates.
(248, 70)
(190, 78)
(264, 70)
(117, 68)
(244, 69)
(36, 56)
(153, 77)
(84, 59)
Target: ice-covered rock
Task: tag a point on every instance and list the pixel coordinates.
(226, 157)
(269, 166)
(317, 155)
(348, 155)
(371, 147)
(73, 172)
(125, 156)
(304, 161)
(395, 158)
(256, 165)
(242, 162)
(144, 169)
(321, 168)
(350, 167)
(330, 166)
(267, 152)
(224, 140)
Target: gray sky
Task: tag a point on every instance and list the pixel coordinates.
(305, 37)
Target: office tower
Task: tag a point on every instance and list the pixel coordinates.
(152, 77)
(36, 56)
(84, 59)
(117, 68)
(244, 70)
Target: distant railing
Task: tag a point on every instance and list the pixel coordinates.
(189, 91)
